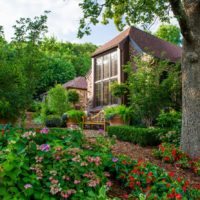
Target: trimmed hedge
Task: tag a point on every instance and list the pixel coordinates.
(141, 136)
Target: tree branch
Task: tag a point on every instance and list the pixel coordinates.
(182, 18)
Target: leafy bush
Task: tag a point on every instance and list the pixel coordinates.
(118, 90)
(141, 136)
(53, 121)
(57, 100)
(170, 120)
(121, 110)
(154, 86)
(75, 115)
(72, 96)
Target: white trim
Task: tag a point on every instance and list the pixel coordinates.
(106, 79)
(119, 65)
(92, 77)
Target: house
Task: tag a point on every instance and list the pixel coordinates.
(79, 84)
(108, 61)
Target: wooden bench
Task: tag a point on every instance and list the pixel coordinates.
(98, 119)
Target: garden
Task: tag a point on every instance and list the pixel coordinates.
(63, 164)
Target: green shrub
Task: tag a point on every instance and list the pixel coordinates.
(72, 96)
(171, 119)
(75, 115)
(141, 136)
(53, 121)
(57, 100)
(118, 90)
(121, 110)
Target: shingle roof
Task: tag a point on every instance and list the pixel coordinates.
(77, 83)
(147, 42)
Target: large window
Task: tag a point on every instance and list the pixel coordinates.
(106, 71)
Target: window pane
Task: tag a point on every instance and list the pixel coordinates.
(113, 63)
(106, 65)
(105, 93)
(98, 69)
(113, 100)
(98, 94)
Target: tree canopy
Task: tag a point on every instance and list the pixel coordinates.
(169, 33)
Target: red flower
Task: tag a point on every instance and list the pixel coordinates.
(167, 158)
(150, 174)
(178, 196)
(131, 178)
(125, 196)
(179, 179)
(171, 174)
(138, 183)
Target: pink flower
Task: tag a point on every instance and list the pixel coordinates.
(76, 182)
(114, 159)
(28, 186)
(109, 184)
(45, 130)
(45, 147)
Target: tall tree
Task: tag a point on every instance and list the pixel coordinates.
(145, 12)
(169, 33)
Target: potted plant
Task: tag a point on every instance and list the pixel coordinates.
(118, 115)
(74, 117)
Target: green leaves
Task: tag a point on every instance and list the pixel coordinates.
(122, 12)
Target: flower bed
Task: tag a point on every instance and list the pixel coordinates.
(50, 165)
(144, 180)
(169, 153)
(61, 164)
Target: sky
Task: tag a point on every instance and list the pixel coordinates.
(63, 21)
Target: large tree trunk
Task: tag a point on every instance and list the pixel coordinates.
(190, 137)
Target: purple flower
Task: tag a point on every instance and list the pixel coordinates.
(45, 147)
(114, 159)
(27, 186)
(45, 130)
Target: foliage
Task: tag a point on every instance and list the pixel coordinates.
(72, 96)
(51, 164)
(118, 90)
(54, 70)
(75, 115)
(170, 33)
(76, 54)
(57, 100)
(18, 77)
(171, 154)
(170, 120)
(155, 85)
(144, 180)
(141, 136)
(53, 121)
(121, 110)
(122, 13)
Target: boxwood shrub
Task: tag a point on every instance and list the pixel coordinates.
(141, 136)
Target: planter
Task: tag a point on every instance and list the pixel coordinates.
(116, 121)
(71, 123)
(3, 121)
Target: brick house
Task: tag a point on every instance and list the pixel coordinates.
(79, 84)
(108, 61)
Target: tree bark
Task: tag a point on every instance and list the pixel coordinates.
(190, 137)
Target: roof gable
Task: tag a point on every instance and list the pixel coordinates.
(146, 42)
(77, 83)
